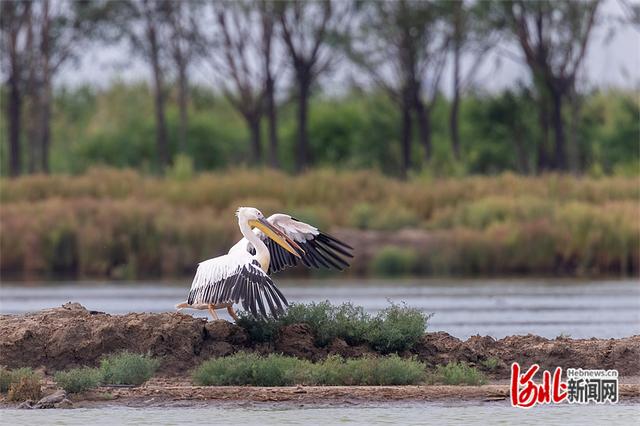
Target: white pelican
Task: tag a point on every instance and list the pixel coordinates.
(242, 275)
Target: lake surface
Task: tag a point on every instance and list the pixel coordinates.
(463, 308)
(396, 414)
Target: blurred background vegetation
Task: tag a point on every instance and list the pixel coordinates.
(369, 119)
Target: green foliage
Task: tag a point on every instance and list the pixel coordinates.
(127, 368)
(78, 379)
(5, 379)
(498, 132)
(277, 370)
(491, 363)
(182, 169)
(395, 329)
(458, 373)
(389, 217)
(393, 261)
(328, 321)
(260, 330)
(251, 369)
(23, 384)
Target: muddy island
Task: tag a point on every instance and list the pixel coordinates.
(72, 336)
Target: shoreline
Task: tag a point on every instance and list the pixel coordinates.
(173, 394)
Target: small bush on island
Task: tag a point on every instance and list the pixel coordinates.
(5, 379)
(397, 328)
(491, 363)
(278, 370)
(127, 368)
(458, 373)
(78, 379)
(24, 384)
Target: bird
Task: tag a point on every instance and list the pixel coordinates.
(269, 245)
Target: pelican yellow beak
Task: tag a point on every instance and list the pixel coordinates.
(276, 235)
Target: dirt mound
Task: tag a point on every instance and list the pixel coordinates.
(621, 354)
(72, 336)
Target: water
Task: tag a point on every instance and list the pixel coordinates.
(497, 308)
(387, 414)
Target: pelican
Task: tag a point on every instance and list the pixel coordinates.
(268, 246)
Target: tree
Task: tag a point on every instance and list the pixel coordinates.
(13, 22)
(268, 17)
(142, 23)
(185, 38)
(55, 34)
(471, 34)
(553, 37)
(233, 44)
(402, 47)
(307, 27)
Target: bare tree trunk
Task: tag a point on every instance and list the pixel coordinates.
(455, 102)
(14, 118)
(183, 104)
(521, 154)
(405, 163)
(256, 138)
(272, 122)
(45, 116)
(303, 137)
(33, 102)
(33, 125)
(543, 117)
(574, 152)
(423, 116)
(45, 91)
(159, 98)
(558, 130)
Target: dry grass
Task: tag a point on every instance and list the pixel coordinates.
(120, 224)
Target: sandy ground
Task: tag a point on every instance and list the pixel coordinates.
(177, 392)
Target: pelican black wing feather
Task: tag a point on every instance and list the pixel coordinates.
(219, 281)
(318, 249)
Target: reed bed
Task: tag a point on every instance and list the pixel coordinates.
(110, 223)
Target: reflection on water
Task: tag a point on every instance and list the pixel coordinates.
(407, 414)
(462, 308)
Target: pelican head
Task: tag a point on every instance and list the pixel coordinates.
(255, 218)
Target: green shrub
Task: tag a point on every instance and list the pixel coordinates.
(386, 218)
(328, 321)
(260, 330)
(252, 369)
(78, 379)
(458, 373)
(127, 368)
(397, 328)
(278, 370)
(362, 216)
(10, 377)
(491, 363)
(394, 261)
(5, 379)
(25, 384)
(372, 371)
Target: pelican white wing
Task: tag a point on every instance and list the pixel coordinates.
(319, 249)
(236, 278)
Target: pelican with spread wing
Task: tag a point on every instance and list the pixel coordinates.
(268, 245)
